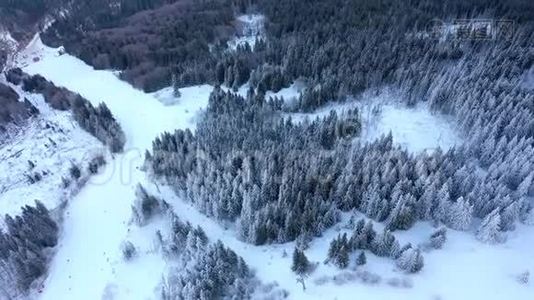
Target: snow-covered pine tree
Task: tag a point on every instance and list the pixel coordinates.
(410, 260)
(385, 244)
(339, 250)
(403, 215)
(175, 87)
(24, 247)
(440, 214)
(342, 258)
(128, 250)
(361, 259)
(301, 265)
(145, 206)
(510, 214)
(438, 238)
(489, 230)
(459, 215)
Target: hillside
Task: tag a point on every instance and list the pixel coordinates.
(267, 149)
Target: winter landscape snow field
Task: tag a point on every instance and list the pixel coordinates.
(413, 128)
(88, 262)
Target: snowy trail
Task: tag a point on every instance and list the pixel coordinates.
(96, 220)
(88, 264)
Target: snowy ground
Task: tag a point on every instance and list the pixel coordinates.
(416, 129)
(528, 79)
(187, 98)
(463, 269)
(88, 263)
(250, 28)
(290, 93)
(52, 142)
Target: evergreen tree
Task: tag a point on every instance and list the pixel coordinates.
(410, 260)
(384, 244)
(25, 247)
(438, 238)
(300, 265)
(489, 230)
(339, 251)
(361, 259)
(459, 214)
(175, 87)
(342, 258)
(403, 215)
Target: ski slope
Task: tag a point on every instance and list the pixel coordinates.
(88, 263)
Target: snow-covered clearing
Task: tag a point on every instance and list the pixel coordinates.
(88, 264)
(289, 94)
(141, 122)
(415, 129)
(250, 28)
(186, 101)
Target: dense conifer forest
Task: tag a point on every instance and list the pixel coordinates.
(25, 249)
(147, 40)
(280, 180)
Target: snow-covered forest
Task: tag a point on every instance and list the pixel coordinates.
(266, 149)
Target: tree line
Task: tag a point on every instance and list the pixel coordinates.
(98, 121)
(147, 40)
(25, 248)
(13, 111)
